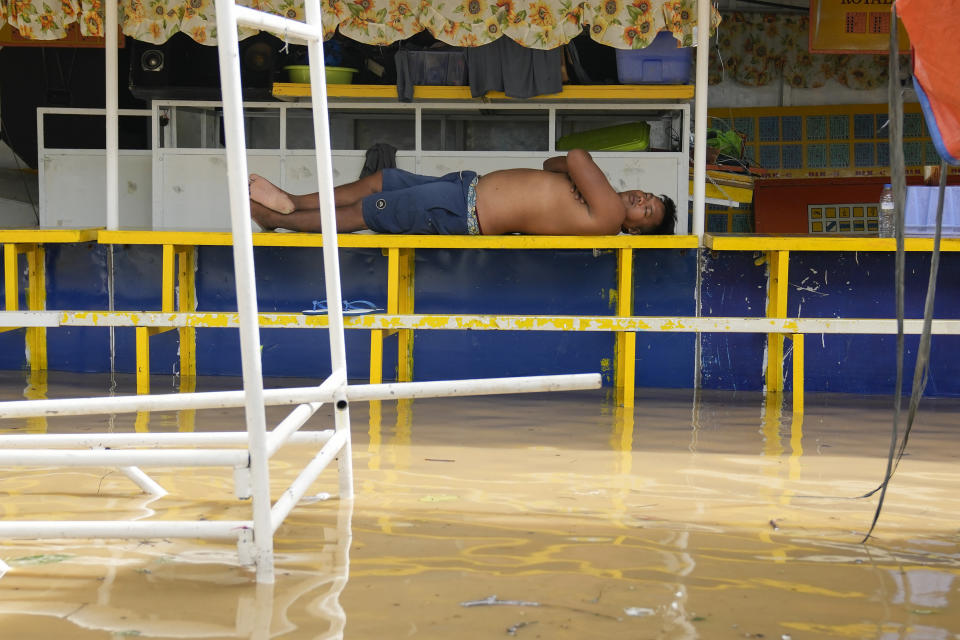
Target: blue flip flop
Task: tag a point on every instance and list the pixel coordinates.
(350, 308)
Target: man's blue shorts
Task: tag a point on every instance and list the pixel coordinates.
(411, 203)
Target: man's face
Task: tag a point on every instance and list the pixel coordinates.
(644, 212)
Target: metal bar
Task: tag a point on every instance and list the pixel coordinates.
(207, 529)
(187, 302)
(778, 264)
(328, 225)
(376, 356)
(156, 402)
(118, 440)
(289, 425)
(37, 301)
(111, 103)
(450, 388)
(246, 284)
(676, 324)
(90, 111)
(798, 372)
(702, 31)
(382, 241)
(625, 348)
(393, 280)
(143, 360)
(125, 458)
(279, 26)
(302, 413)
(166, 287)
(345, 460)
(405, 301)
(145, 482)
(289, 499)
(11, 281)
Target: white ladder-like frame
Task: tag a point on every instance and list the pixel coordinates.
(251, 471)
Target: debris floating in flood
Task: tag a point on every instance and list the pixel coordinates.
(492, 600)
(512, 630)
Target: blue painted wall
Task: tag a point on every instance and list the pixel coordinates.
(842, 284)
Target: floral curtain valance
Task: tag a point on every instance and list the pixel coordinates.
(756, 49)
(538, 24)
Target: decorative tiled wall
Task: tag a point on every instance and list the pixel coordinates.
(857, 217)
(835, 141)
(819, 142)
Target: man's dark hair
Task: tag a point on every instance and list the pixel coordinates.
(669, 222)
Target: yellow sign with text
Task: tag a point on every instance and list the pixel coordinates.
(853, 26)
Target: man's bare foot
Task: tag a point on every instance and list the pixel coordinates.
(270, 195)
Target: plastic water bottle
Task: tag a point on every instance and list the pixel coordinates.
(888, 212)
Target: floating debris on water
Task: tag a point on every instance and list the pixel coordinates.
(492, 600)
(512, 630)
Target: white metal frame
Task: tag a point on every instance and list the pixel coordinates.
(677, 161)
(47, 154)
(251, 465)
(260, 613)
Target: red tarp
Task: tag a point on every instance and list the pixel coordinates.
(934, 29)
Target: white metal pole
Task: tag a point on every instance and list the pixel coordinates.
(311, 32)
(331, 260)
(158, 402)
(328, 211)
(341, 424)
(700, 118)
(124, 457)
(117, 440)
(286, 502)
(491, 386)
(230, 82)
(145, 482)
(112, 109)
(206, 529)
(289, 426)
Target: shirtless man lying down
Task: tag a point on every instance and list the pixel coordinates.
(570, 196)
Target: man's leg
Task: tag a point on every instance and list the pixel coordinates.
(349, 218)
(273, 197)
(343, 195)
(354, 192)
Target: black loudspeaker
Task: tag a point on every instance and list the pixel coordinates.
(258, 61)
(182, 69)
(152, 60)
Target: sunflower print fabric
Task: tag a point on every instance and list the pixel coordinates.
(537, 24)
(755, 49)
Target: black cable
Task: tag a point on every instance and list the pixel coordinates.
(922, 366)
(898, 182)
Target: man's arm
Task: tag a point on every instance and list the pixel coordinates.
(556, 164)
(603, 203)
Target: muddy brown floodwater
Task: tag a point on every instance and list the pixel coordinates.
(695, 515)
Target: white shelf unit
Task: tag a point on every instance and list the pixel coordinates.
(431, 137)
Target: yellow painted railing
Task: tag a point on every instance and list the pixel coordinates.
(600, 93)
(179, 312)
(776, 251)
(400, 252)
(30, 243)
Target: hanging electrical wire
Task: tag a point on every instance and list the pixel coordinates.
(921, 368)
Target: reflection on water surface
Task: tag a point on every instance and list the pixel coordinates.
(696, 515)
